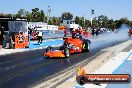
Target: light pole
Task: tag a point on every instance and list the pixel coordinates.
(11, 16)
(48, 14)
(84, 20)
(92, 12)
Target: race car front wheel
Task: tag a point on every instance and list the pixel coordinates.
(62, 47)
(49, 48)
(66, 52)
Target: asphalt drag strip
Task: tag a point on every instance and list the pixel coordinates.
(29, 69)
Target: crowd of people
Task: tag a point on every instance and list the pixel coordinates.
(5, 38)
(76, 33)
(95, 31)
(82, 33)
(79, 31)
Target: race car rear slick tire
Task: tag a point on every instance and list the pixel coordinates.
(88, 48)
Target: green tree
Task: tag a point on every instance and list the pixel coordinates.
(42, 15)
(22, 13)
(67, 16)
(55, 20)
(118, 23)
(36, 15)
(111, 24)
(79, 20)
(30, 17)
(50, 22)
(102, 21)
(95, 22)
(9, 15)
(87, 23)
(124, 20)
(130, 24)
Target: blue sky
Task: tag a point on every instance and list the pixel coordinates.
(115, 9)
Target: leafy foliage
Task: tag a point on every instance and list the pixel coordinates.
(67, 16)
(37, 15)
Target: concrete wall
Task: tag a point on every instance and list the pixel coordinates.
(53, 34)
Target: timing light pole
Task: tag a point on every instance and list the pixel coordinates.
(92, 12)
(48, 14)
(84, 20)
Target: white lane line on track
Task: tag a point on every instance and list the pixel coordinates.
(111, 65)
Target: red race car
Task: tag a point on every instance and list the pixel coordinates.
(130, 32)
(70, 46)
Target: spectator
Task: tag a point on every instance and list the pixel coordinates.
(93, 32)
(97, 32)
(65, 32)
(40, 39)
(6, 38)
(29, 30)
(10, 42)
(73, 33)
(78, 33)
(1, 37)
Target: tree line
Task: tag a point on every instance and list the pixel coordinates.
(37, 15)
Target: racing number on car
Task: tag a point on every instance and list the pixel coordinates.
(83, 46)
